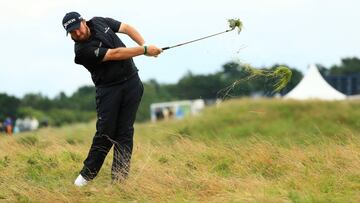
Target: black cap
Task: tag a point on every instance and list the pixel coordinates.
(71, 21)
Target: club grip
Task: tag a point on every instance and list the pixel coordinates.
(165, 48)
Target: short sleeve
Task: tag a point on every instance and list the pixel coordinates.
(90, 55)
(113, 24)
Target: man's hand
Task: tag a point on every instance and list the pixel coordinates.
(152, 50)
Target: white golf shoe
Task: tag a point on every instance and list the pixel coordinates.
(80, 181)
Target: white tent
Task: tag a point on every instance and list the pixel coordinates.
(314, 86)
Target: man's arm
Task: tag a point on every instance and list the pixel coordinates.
(132, 33)
(122, 53)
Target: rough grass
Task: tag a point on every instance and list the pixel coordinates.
(240, 151)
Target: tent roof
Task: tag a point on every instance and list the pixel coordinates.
(314, 86)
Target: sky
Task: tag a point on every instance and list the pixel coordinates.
(37, 57)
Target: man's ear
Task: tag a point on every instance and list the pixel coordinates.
(83, 22)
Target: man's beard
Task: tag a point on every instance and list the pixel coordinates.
(87, 36)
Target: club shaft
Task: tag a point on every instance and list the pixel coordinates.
(165, 48)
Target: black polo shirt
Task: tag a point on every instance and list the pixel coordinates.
(91, 53)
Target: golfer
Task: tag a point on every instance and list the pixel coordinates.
(118, 88)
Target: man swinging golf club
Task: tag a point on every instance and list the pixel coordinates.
(118, 88)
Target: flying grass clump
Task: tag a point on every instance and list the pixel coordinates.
(281, 75)
(235, 23)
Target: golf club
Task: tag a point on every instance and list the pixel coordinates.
(233, 23)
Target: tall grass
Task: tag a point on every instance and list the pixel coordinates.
(240, 151)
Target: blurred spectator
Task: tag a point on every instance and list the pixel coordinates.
(44, 123)
(159, 114)
(26, 124)
(8, 126)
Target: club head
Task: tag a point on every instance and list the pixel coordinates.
(235, 23)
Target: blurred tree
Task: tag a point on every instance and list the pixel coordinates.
(231, 70)
(347, 66)
(23, 112)
(84, 99)
(36, 101)
(199, 86)
(61, 101)
(8, 106)
(323, 70)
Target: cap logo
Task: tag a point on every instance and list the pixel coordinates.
(68, 22)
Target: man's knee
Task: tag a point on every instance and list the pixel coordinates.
(128, 131)
(125, 134)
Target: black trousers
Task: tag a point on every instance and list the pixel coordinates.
(116, 111)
